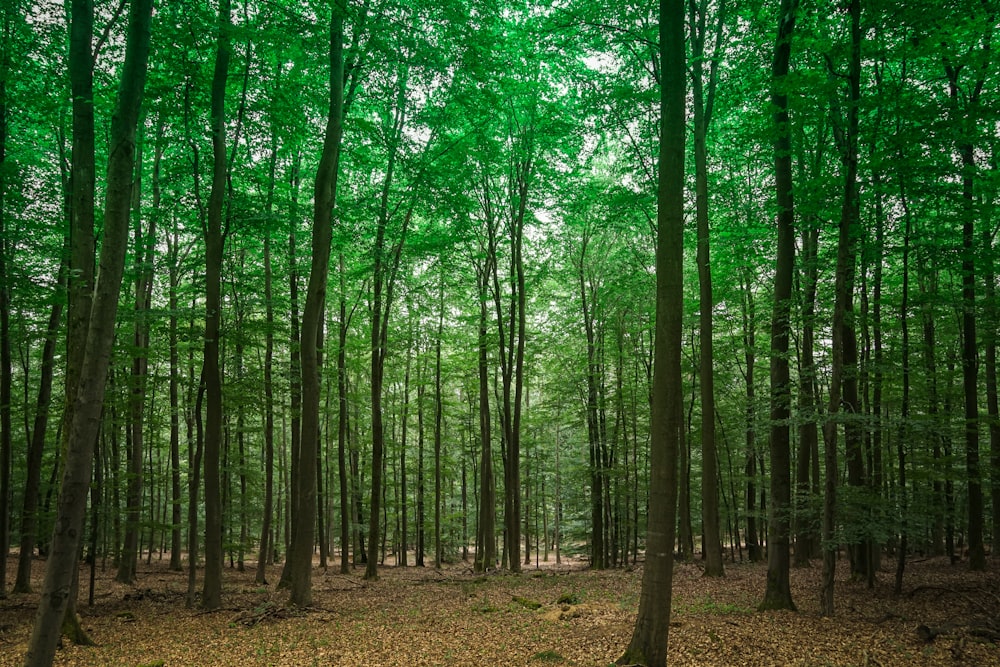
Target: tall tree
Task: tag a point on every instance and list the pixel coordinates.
(6, 368)
(89, 398)
(486, 518)
(778, 594)
(324, 199)
(843, 401)
(703, 103)
(965, 121)
(649, 639)
(214, 243)
(144, 242)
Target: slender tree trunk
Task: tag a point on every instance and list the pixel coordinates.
(703, 104)
(295, 373)
(419, 556)
(438, 425)
(265, 531)
(805, 532)
(778, 594)
(32, 484)
(196, 448)
(342, 422)
(649, 639)
(214, 242)
(6, 365)
(750, 468)
(486, 556)
(173, 268)
(970, 364)
(144, 243)
(904, 409)
(597, 473)
(386, 265)
(404, 539)
(88, 402)
(312, 320)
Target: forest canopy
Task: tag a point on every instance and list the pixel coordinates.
(388, 283)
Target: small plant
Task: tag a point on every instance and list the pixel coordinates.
(568, 598)
(548, 656)
(526, 603)
(484, 607)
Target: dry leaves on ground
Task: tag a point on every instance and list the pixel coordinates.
(546, 616)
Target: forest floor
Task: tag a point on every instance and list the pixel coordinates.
(549, 615)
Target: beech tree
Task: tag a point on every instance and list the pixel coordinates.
(61, 566)
(649, 640)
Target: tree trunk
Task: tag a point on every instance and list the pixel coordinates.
(438, 425)
(82, 236)
(805, 532)
(32, 484)
(144, 243)
(597, 472)
(750, 468)
(88, 402)
(970, 364)
(6, 366)
(649, 639)
(265, 531)
(904, 408)
(703, 104)
(312, 320)
(342, 422)
(778, 594)
(486, 556)
(214, 242)
(384, 271)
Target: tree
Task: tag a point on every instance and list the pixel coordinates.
(324, 199)
(964, 122)
(778, 594)
(6, 436)
(703, 103)
(649, 639)
(843, 381)
(89, 399)
(214, 244)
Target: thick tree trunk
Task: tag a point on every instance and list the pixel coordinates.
(649, 639)
(62, 563)
(82, 237)
(778, 594)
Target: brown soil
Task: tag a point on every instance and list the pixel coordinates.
(419, 616)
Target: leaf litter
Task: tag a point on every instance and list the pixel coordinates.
(548, 615)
